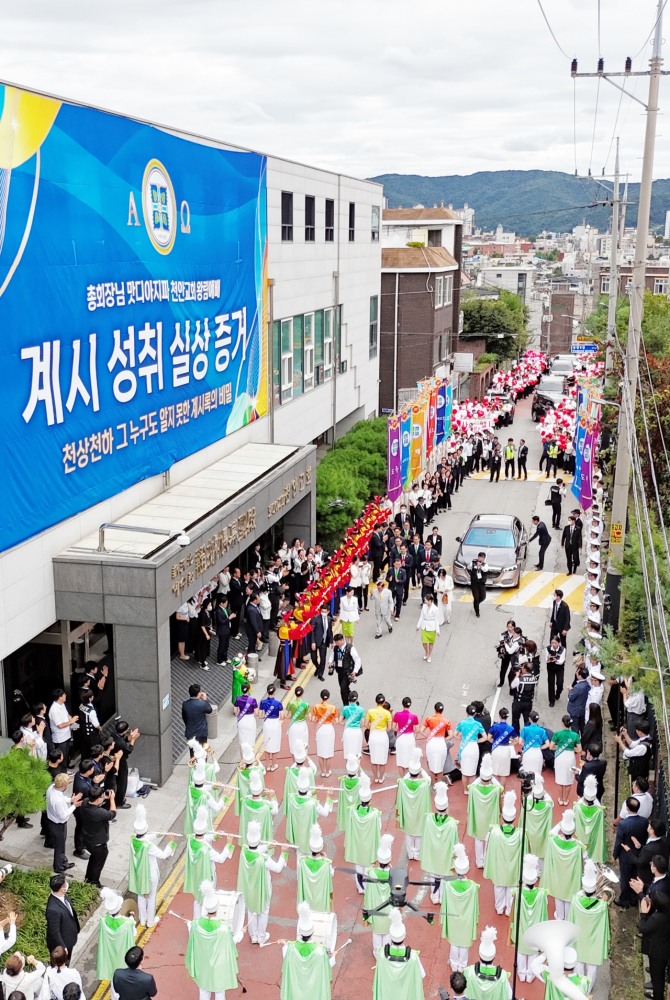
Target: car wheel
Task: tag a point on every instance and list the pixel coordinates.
(535, 416)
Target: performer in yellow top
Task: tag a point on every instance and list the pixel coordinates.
(379, 720)
(325, 715)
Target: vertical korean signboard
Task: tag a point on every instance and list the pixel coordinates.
(132, 303)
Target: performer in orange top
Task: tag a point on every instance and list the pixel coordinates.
(436, 729)
(325, 714)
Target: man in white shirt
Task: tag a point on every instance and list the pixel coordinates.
(32, 736)
(60, 722)
(645, 798)
(8, 941)
(595, 695)
(59, 808)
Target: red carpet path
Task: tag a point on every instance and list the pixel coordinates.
(260, 969)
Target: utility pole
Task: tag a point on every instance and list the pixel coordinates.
(614, 271)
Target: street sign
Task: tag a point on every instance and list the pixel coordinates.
(616, 534)
(584, 348)
(583, 338)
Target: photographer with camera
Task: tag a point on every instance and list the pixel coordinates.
(510, 646)
(523, 685)
(96, 815)
(555, 654)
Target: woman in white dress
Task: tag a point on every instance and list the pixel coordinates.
(366, 576)
(356, 581)
(379, 720)
(245, 709)
(349, 614)
(444, 588)
(405, 724)
(429, 625)
(325, 714)
(271, 711)
(352, 717)
(472, 733)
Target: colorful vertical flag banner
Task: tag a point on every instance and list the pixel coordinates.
(394, 476)
(448, 410)
(588, 454)
(580, 435)
(405, 446)
(440, 411)
(432, 421)
(418, 436)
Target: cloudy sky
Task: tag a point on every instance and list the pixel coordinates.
(359, 86)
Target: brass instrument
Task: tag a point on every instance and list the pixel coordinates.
(607, 879)
(209, 756)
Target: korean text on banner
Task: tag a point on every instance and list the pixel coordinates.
(588, 454)
(132, 303)
(580, 434)
(394, 476)
(418, 437)
(439, 411)
(448, 410)
(431, 425)
(405, 447)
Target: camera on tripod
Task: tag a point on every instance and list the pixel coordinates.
(527, 781)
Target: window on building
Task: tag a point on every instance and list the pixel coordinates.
(310, 218)
(297, 356)
(276, 362)
(448, 289)
(434, 237)
(374, 224)
(308, 357)
(352, 221)
(338, 333)
(604, 284)
(660, 286)
(286, 360)
(439, 292)
(374, 325)
(327, 344)
(330, 220)
(318, 347)
(629, 286)
(287, 216)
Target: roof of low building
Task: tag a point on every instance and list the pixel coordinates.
(420, 258)
(419, 214)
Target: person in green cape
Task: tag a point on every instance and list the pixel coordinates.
(254, 882)
(116, 934)
(413, 804)
(306, 967)
(300, 759)
(533, 911)
(143, 867)
(485, 980)
(590, 821)
(249, 765)
(211, 952)
(539, 819)
(200, 794)
(439, 837)
(239, 677)
(315, 875)
(591, 917)
(201, 756)
(348, 797)
(562, 872)
(553, 982)
(298, 731)
(302, 808)
(398, 970)
(259, 807)
(361, 837)
(200, 858)
(484, 795)
(378, 891)
(503, 855)
(459, 911)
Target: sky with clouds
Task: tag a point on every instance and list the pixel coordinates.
(359, 86)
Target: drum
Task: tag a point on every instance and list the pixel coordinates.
(325, 929)
(231, 911)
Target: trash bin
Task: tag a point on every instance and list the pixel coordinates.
(252, 662)
(213, 723)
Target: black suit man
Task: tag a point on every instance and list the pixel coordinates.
(407, 563)
(322, 640)
(396, 581)
(543, 540)
(436, 540)
(236, 601)
(560, 618)
(61, 917)
(595, 766)
(571, 541)
(521, 459)
(633, 826)
(656, 844)
(253, 624)
(132, 983)
(377, 553)
(418, 554)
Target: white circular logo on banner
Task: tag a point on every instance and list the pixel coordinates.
(159, 206)
(405, 438)
(394, 448)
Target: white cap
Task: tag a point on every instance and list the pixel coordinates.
(248, 754)
(305, 921)
(303, 783)
(568, 822)
(364, 790)
(597, 674)
(487, 944)
(569, 958)
(300, 752)
(210, 902)
(486, 767)
(197, 748)
(140, 824)
(353, 765)
(594, 557)
(538, 787)
(595, 599)
(384, 849)
(315, 839)
(590, 876)
(397, 930)
(509, 806)
(200, 821)
(530, 869)
(255, 783)
(590, 788)
(113, 902)
(441, 796)
(414, 764)
(253, 833)
(199, 774)
(461, 862)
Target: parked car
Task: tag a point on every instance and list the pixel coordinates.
(507, 406)
(548, 394)
(504, 539)
(562, 364)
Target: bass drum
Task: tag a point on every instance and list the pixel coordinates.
(325, 930)
(231, 910)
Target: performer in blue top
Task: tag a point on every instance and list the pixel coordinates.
(533, 740)
(352, 737)
(501, 735)
(271, 711)
(472, 733)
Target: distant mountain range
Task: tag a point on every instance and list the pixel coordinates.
(525, 201)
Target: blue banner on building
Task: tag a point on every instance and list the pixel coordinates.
(132, 295)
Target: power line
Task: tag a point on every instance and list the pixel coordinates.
(595, 122)
(646, 41)
(551, 30)
(616, 121)
(600, 50)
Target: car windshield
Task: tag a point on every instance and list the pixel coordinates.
(491, 538)
(551, 385)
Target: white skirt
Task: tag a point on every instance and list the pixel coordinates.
(272, 735)
(325, 740)
(562, 767)
(352, 741)
(501, 759)
(403, 749)
(470, 759)
(246, 730)
(298, 731)
(379, 746)
(532, 760)
(436, 753)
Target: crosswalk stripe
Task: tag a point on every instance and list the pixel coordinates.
(534, 476)
(531, 584)
(569, 586)
(536, 591)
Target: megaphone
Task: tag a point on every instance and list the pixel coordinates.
(552, 937)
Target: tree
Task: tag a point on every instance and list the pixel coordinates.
(503, 322)
(23, 784)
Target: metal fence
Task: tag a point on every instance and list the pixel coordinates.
(660, 774)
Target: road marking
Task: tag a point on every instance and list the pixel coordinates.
(536, 590)
(534, 476)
